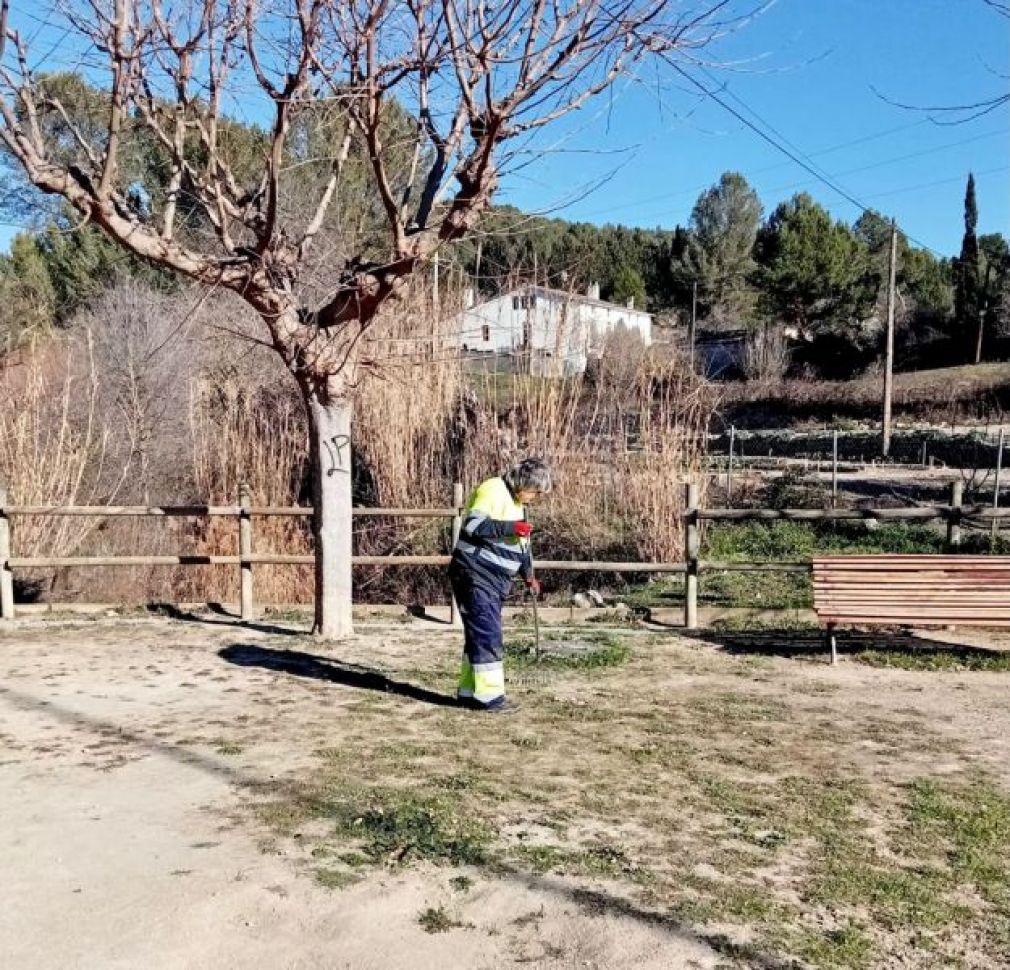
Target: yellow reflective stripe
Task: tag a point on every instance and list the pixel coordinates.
(466, 679)
(489, 681)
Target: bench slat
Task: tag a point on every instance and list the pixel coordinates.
(915, 590)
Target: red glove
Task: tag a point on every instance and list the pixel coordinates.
(534, 584)
(522, 529)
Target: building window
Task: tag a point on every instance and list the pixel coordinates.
(485, 333)
(515, 303)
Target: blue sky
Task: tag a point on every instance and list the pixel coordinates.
(809, 70)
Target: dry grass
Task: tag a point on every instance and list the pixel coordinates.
(53, 447)
(966, 394)
(252, 437)
(621, 445)
(621, 438)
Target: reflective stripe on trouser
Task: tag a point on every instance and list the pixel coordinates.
(481, 675)
(484, 683)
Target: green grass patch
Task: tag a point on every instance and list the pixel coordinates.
(227, 747)
(401, 827)
(932, 658)
(781, 542)
(968, 826)
(435, 919)
(795, 541)
(605, 650)
(602, 860)
(772, 541)
(847, 946)
(336, 878)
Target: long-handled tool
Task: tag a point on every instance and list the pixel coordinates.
(536, 620)
(533, 599)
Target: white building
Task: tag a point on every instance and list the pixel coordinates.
(548, 332)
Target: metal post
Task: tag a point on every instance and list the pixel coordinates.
(729, 467)
(954, 522)
(995, 491)
(245, 548)
(885, 448)
(692, 329)
(457, 525)
(6, 576)
(834, 469)
(832, 637)
(691, 549)
(923, 452)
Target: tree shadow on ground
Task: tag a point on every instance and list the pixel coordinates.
(332, 671)
(598, 902)
(590, 901)
(222, 618)
(812, 643)
(180, 753)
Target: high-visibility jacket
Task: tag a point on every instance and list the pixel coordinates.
(487, 549)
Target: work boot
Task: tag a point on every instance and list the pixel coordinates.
(504, 705)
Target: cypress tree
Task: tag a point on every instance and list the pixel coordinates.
(967, 295)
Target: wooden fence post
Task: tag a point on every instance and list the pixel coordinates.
(954, 521)
(834, 469)
(729, 466)
(457, 525)
(245, 548)
(691, 548)
(6, 576)
(996, 485)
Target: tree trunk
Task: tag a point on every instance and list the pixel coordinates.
(328, 405)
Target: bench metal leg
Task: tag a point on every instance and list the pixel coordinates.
(832, 641)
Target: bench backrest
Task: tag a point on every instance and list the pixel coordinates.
(912, 590)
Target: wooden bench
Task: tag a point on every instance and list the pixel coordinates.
(910, 591)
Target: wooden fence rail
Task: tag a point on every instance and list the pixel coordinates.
(245, 512)
(691, 567)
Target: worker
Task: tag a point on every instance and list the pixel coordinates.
(493, 549)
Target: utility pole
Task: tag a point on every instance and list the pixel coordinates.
(885, 449)
(694, 322)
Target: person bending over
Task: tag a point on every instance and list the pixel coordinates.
(493, 550)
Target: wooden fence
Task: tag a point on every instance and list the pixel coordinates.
(244, 512)
(955, 514)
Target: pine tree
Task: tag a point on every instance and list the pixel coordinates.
(724, 226)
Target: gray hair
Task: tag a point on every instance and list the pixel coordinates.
(531, 474)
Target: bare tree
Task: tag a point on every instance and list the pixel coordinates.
(145, 356)
(474, 80)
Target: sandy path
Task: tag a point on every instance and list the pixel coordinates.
(124, 844)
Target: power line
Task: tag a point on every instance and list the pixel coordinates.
(680, 193)
(947, 181)
(795, 155)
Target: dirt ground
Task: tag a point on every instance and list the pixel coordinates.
(182, 794)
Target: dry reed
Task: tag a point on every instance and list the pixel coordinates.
(53, 448)
(622, 438)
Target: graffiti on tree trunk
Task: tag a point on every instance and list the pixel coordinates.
(335, 448)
